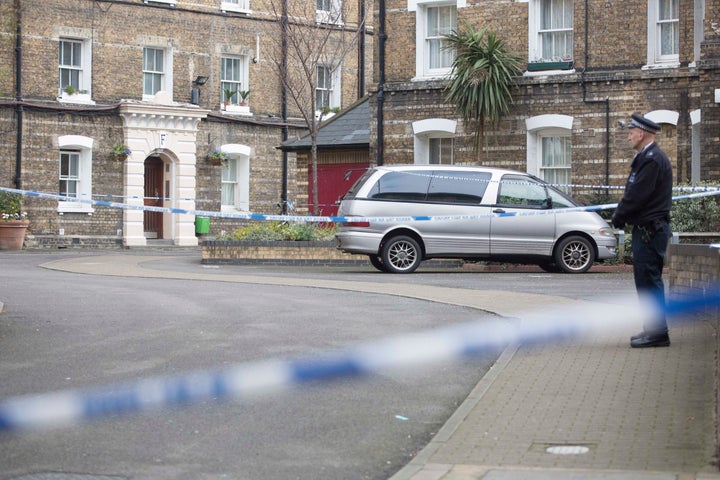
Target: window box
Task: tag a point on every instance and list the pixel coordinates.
(79, 98)
(234, 109)
(541, 66)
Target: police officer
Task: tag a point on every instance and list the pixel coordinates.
(646, 205)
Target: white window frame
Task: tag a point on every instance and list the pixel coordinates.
(329, 12)
(237, 6)
(564, 137)
(84, 93)
(699, 34)
(696, 145)
(655, 59)
(535, 42)
(422, 53)
(424, 131)
(166, 77)
(240, 83)
(240, 156)
(544, 126)
(537, 33)
(335, 95)
(83, 147)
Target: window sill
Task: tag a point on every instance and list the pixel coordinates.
(661, 66)
(544, 73)
(234, 8)
(66, 207)
(235, 208)
(549, 66)
(324, 116)
(78, 98)
(236, 110)
(325, 17)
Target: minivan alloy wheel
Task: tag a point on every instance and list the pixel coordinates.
(401, 254)
(575, 254)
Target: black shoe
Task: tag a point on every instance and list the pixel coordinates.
(646, 341)
(639, 335)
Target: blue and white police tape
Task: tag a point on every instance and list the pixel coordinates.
(508, 212)
(411, 351)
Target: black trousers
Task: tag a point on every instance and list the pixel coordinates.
(649, 244)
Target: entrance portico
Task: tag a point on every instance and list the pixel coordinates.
(162, 140)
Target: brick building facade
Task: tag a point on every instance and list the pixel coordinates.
(85, 76)
(589, 64)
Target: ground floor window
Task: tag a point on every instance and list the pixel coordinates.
(555, 161)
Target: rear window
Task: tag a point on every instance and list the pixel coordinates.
(358, 185)
(458, 187)
(408, 186)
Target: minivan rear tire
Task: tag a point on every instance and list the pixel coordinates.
(377, 262)
(574, 254)
(401, 254)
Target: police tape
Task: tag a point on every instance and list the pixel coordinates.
(499, 211)
(556, 185)
(250, 380)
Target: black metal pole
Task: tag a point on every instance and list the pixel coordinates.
(283, 106)
(18, 95)
(380, 149)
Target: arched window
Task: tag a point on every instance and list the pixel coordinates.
(75, 173)
(434, 141)
(549, 149)
(235, 189)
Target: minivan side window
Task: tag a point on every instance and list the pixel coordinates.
(407, 186)
(559, 200)
(521, 192)
(458, 187)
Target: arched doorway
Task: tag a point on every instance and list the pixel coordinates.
(154, 193)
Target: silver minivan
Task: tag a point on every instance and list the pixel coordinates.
(410, 213)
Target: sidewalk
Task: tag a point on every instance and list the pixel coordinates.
(614, 413)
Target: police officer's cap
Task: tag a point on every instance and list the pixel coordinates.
(638, 121)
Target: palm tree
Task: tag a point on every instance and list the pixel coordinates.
(483, 73)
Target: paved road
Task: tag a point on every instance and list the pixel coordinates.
(66, 330)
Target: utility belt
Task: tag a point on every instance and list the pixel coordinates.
(648, 230)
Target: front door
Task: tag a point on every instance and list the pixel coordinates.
(153, 194)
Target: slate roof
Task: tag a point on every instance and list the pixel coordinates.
(348, 129)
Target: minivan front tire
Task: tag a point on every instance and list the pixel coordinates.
(401, 254)
(574, 254)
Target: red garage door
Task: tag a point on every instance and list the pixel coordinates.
(332, 185)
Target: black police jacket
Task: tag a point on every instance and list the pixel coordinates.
(648, 192)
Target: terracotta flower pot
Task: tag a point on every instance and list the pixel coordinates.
(12, 234)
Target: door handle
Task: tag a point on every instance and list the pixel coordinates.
(498, 210)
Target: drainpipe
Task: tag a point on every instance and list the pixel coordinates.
(380, 150)
(361, 49)
(606, 101)
(18, 95)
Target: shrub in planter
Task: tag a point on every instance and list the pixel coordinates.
(282, 231)
(700, 214)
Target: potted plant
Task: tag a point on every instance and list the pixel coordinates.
(216, 157)
(13, 221)
(228, 94)
(244, 94)
(120, 151)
